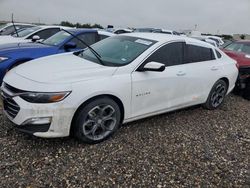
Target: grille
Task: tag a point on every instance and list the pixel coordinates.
(9, 105)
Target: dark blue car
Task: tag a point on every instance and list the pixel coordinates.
(12, 55)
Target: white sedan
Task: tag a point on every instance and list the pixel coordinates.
(32, 34)
(120, 79)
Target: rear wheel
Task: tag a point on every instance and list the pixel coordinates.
(97, 121)
(217, 95)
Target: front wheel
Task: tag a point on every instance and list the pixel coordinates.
(97, 121)
(217, 95)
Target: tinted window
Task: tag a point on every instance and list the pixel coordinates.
(46, 33)
(89, 38)
(239, 47)
(101, 37)
(170, 54)
(8, 30)
(218, 54)
(27, 31)
(197, 54)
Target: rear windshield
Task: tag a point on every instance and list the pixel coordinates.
(239, 47)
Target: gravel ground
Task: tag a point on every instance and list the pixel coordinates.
(188, 148)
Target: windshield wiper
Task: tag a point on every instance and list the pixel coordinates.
(98, 56)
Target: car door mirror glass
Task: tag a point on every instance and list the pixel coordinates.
(154, 66)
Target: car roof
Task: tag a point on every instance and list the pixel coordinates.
(8, 24)
(167, 38)
(53, 26)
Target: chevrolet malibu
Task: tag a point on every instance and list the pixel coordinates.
(89, 94)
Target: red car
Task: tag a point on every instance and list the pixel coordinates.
(240, 51)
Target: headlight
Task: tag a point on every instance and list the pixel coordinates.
(3, 59)
(34, 97)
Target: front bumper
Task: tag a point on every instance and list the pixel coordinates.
(41, 120)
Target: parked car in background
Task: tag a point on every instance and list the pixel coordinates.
(12, 55)
(207, 40)
(240, 51)
(122, 30)
(120, 79)
(155, 30)
(218, 40)
(32, 34)
(8, 28)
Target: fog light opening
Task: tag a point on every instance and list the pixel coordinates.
(38, 121)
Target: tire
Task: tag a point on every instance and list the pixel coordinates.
(217, 95)
(97, 120)
(246, 91)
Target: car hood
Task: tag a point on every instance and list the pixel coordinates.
(9, 39)
(63, 69)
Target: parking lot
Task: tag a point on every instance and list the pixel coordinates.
(191, 147)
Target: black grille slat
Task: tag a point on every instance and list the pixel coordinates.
(9, 105)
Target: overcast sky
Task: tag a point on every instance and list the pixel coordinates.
(223, 16)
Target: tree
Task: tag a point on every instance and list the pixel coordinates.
(242, 36)
(79, 25)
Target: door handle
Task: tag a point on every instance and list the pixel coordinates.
(214, 68)
(181, 73)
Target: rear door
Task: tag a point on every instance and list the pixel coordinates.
(156, 91)
(202, 71)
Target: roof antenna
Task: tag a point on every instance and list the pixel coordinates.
(12, 20)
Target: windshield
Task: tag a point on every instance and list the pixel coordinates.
(26, 32)
(239, 47)
(56, 39)
(118, 50)
(2, 26)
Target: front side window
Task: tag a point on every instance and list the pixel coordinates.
(89, 38)
(195, 53)
(170, 54)
(57, 39)
(46, 33)
(118, 50)
(27, 31)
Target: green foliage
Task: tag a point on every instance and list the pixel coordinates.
(79, 25)
(242, 37)
(227, 37)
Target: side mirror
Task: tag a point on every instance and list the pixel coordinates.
(35, 38)
(153, 66)
(69, 45)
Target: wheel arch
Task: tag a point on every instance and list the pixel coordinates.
(225, 79)
(111, 96)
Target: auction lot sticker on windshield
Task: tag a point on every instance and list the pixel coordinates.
(145, 42)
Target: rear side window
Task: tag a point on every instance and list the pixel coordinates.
(170, 54)
(101, 37)
(197, 54)
(218, 54)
